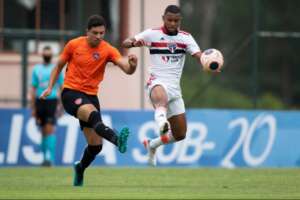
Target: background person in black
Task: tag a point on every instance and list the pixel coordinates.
(44, 110)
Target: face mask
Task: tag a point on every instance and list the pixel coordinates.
(47, 59)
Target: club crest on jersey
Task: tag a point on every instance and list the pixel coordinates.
(172, 47)
(78, 101)
(96, 55)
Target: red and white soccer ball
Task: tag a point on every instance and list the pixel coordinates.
(212, 60)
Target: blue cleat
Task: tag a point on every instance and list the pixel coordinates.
(122, 140)
(78, 174)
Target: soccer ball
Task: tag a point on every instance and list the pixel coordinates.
(212, 60)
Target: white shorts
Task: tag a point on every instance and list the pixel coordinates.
(175, 101)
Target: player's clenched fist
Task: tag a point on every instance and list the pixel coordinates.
(139, 43)
(132, 60)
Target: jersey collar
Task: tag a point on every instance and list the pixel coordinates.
(165, 31)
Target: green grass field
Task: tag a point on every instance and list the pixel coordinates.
(150, 183)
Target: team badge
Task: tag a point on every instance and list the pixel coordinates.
(172, 47)
(78, 101)
(96, 55)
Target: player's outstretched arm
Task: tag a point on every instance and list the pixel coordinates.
(128, 43)
(197, 56)
(128, 65)
(32, 102)
(54, 76)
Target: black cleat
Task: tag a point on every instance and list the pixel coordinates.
(46, 163)
(78, 174)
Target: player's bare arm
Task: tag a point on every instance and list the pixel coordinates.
(197, 56)
(128, 43)
(132, 42)
(32, 103)
(54, 76)
(128, 65)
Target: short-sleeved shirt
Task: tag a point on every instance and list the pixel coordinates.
(167, 53)
(86, 65)
(40, 79)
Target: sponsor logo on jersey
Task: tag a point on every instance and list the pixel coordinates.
(165, 58)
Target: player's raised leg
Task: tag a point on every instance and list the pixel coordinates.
(177, 133)
(159, 99)
(150, 152)
(90, 115)
(178, 127)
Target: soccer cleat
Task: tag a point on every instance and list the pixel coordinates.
(46, 163)
(122, 140)
(164, 128)
(151, 153)
(78, 174)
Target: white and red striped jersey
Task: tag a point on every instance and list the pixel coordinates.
(167, 53)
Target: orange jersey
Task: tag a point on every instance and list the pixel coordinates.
(86, 65)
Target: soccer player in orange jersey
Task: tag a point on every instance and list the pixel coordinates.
(86, 58)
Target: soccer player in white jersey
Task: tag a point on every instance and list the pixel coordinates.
(168, 46)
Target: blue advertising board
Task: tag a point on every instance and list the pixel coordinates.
(215, 138)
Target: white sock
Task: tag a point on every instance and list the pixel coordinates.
(164, 139)
(160, 115)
